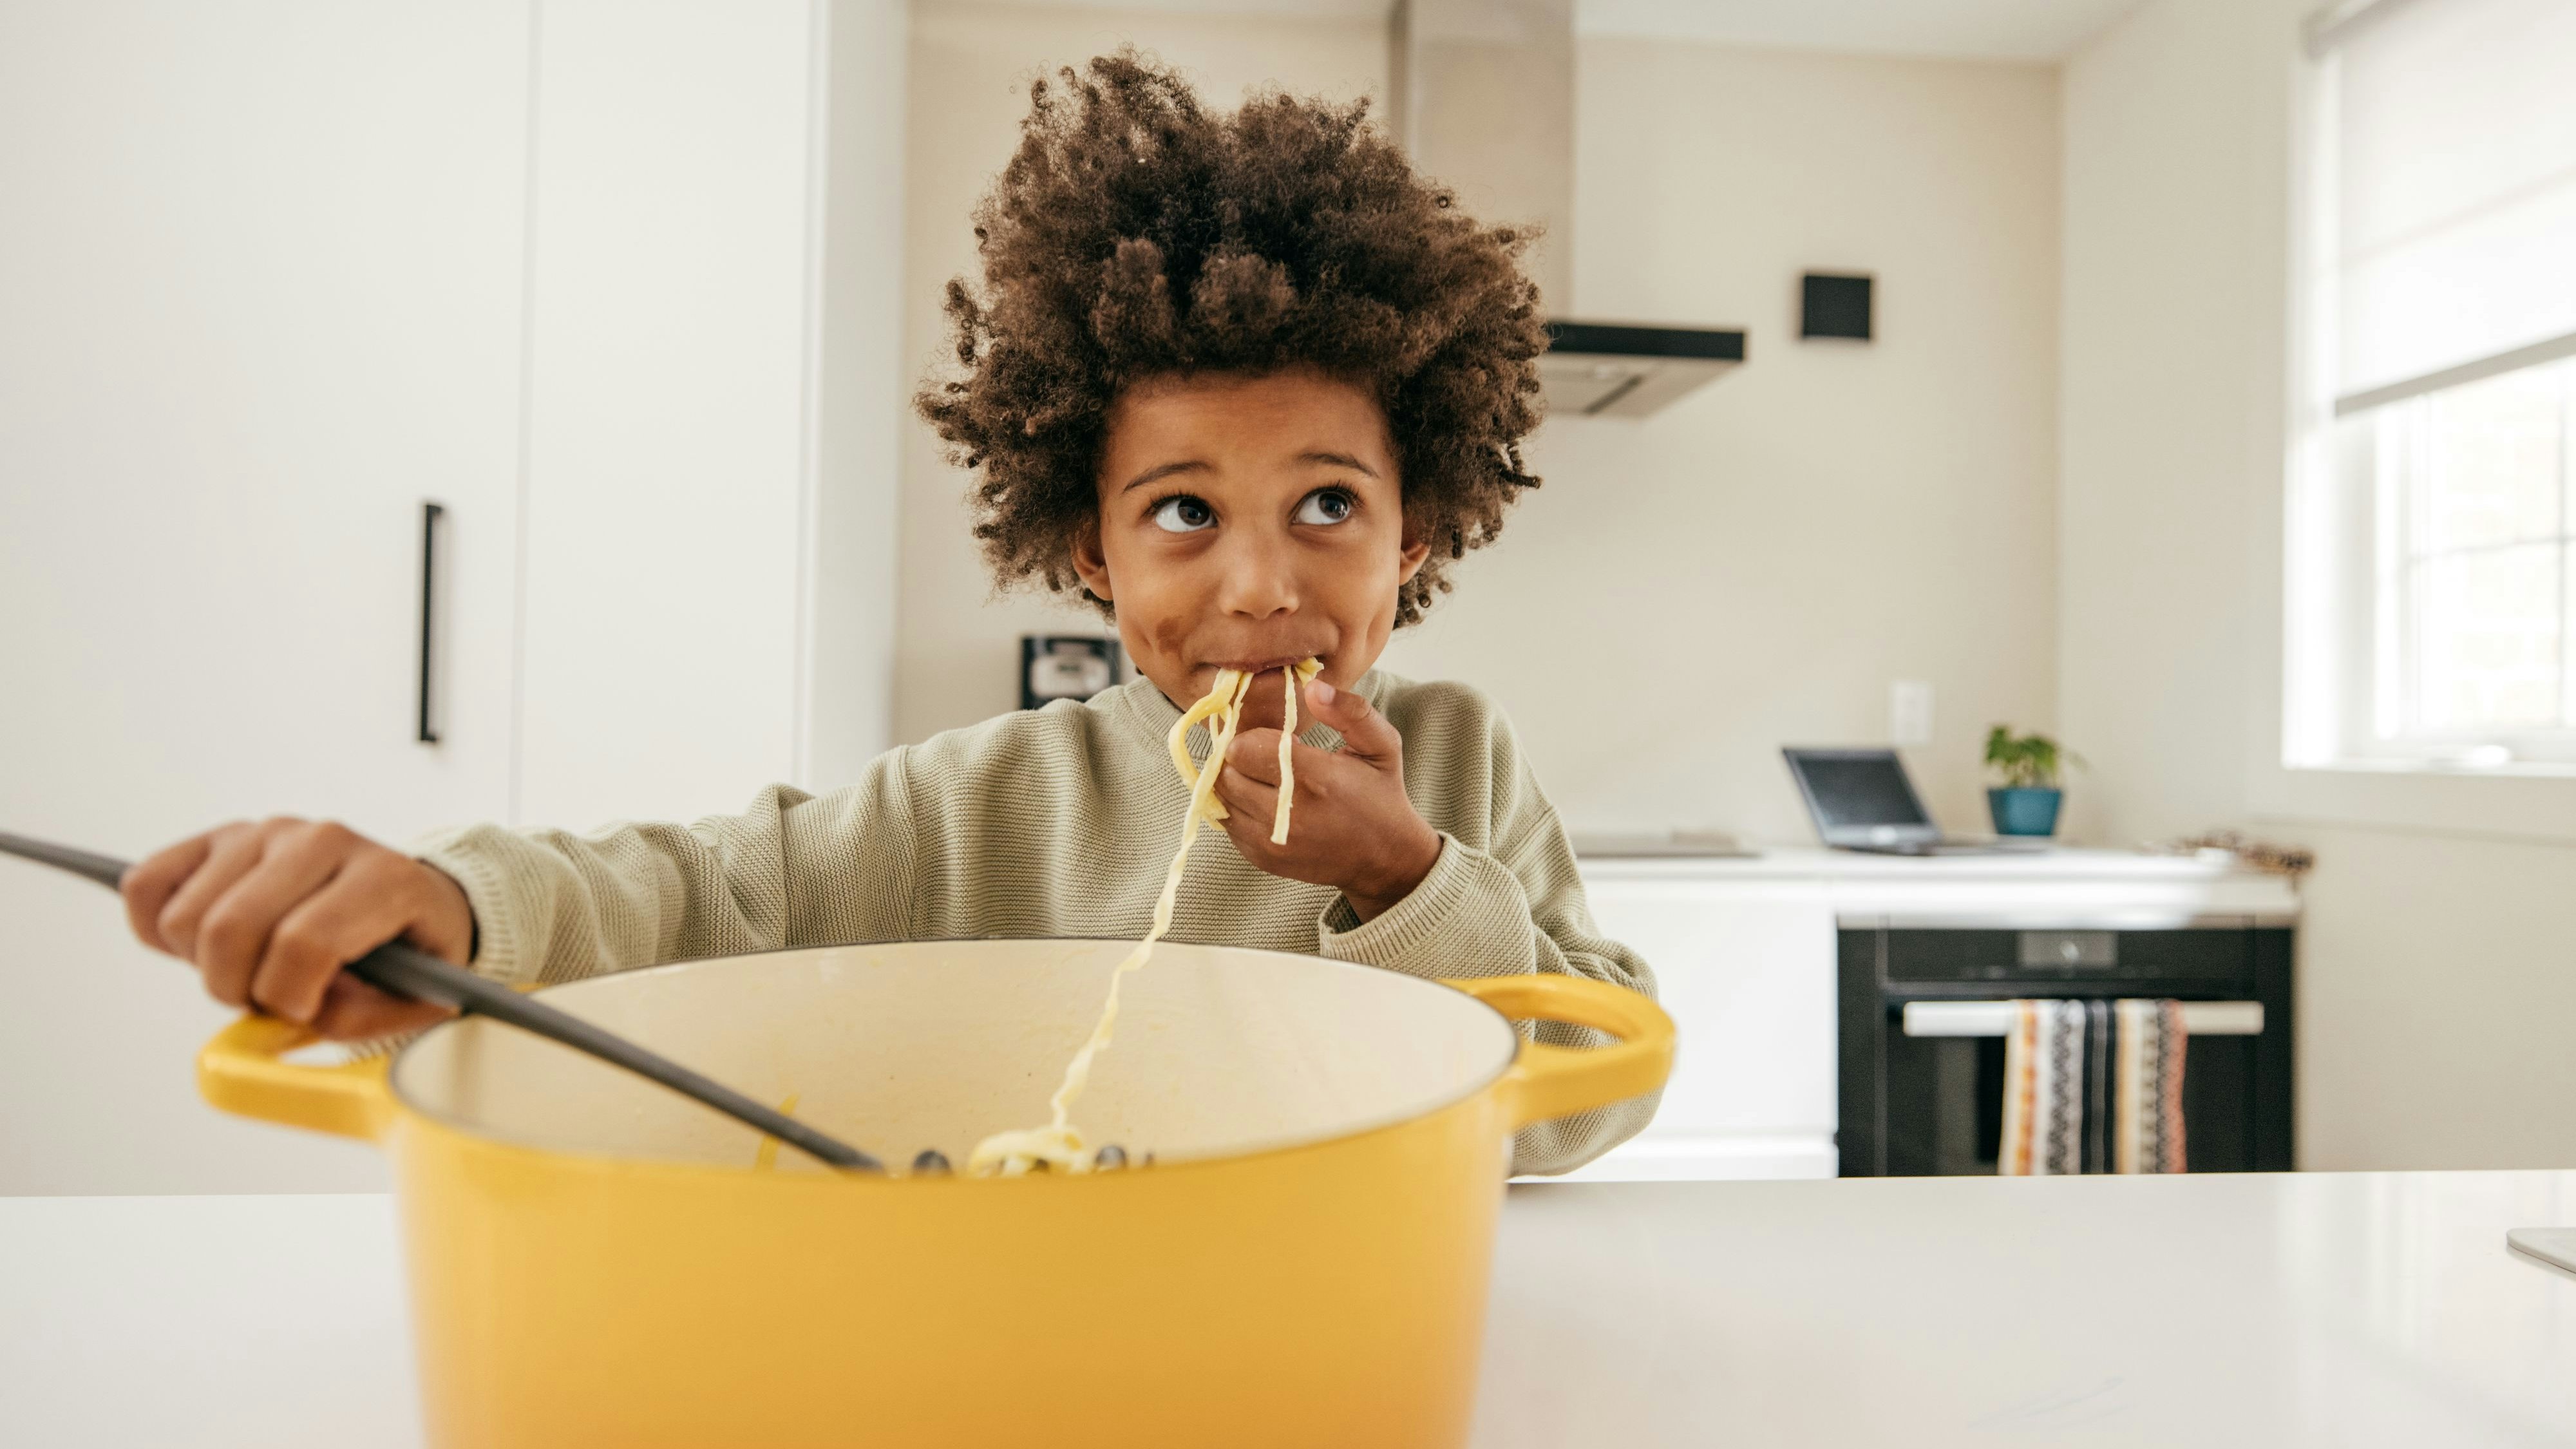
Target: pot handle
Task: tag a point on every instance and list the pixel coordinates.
(1548, 1081)
(240, 1072)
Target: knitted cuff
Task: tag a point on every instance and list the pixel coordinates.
(499, 952)
(1468, 917)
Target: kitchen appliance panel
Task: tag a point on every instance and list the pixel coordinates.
(2038, 957)
(1932, 1105)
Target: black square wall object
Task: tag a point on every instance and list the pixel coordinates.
(1832, 306)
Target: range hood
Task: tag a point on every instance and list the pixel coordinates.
(1483, 100)
(1609, 369)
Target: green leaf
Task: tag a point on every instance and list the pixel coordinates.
(2027, 762)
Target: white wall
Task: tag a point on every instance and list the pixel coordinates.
(1766, 556)
(2174, 365)
(1753, 566)
(2437, 974)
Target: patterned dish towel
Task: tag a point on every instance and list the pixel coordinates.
(2093, 1086)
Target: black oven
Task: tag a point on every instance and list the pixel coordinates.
(1921, 1017)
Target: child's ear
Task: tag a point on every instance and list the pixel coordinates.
(1416, 549)
(1093, 565)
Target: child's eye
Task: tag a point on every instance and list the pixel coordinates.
(1183, 514)
(1325, 505)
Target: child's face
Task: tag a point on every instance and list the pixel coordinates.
(1248, 522)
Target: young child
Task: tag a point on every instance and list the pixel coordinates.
(1249, 386)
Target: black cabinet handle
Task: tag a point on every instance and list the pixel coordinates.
(432, 517)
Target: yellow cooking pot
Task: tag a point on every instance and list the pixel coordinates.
(594, 1260)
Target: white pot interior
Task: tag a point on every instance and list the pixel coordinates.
(896, 1048)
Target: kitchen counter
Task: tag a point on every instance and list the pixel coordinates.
(2060, 886)
(2276, 1311)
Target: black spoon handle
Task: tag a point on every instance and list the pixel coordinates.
(107, 870)
(402, 971)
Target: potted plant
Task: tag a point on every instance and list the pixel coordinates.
(2026, 802)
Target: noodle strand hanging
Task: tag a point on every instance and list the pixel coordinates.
(1059, 1145)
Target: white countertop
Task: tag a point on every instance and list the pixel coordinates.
(2276, 1311)
(2125, 889)
(2056, 862)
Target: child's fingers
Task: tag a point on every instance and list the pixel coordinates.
(1365, 733)
(354, 1011)
(151, 882)
(231, 853)
(367, 904)
(1259, 758)
(1250, 803)
(1255, 753)
(235, 931)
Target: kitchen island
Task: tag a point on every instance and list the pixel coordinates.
(2358, 1309)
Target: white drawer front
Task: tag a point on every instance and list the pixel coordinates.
(1747, 971)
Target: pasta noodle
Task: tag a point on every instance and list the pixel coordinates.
(1290, 679)
(1059, 1145)
(767, 1156)
(1219, 697)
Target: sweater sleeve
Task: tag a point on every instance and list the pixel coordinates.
(1503, 899)
(792, 870)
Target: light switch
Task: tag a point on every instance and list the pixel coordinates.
(1909, 712)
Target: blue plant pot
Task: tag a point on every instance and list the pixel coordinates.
(2024, 811)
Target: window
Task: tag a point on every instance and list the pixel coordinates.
(2432, 528)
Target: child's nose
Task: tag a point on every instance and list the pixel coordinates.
(1260, 579)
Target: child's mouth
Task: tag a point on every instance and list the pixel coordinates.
(1260, 665)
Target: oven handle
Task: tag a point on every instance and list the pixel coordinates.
(1994, 1018)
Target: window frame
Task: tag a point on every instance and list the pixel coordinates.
(2381, 618)
(2348, 622)
(2295, 768)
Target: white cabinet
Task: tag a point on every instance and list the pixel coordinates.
(259, 298)
(1746, 968)
(680, 473)
(274, 277)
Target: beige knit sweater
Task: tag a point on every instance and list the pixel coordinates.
(1058, 822)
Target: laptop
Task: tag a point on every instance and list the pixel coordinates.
(1863, 800)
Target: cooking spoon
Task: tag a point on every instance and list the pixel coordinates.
(401, 971)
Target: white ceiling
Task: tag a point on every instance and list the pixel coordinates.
(1994, 29)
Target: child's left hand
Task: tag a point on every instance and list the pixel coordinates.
(1352, 825)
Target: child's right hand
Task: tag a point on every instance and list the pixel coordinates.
(268, 913)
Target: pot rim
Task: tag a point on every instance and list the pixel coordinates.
(1482, 1085)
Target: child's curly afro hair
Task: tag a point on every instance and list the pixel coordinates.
(1136, 235)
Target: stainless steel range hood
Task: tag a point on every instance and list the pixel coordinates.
(1483, 99)
(1603, 369)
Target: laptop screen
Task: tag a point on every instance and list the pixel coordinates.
(1852, 791)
